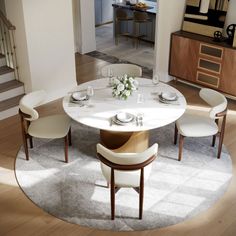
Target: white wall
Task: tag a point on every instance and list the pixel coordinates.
(48, 29)
(231, 15)
(169, 19)
(84, 25)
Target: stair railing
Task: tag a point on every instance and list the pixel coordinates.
(7, 43)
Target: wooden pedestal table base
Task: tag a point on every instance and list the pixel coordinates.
(131, 142)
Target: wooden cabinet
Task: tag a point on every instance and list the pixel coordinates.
(184, 50)
(199, 60)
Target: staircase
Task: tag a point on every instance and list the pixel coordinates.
(11, 89)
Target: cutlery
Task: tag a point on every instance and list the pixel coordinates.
(111, 121)
(139, 120)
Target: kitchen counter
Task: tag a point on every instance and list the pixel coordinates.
(128, 28)
(152, 7)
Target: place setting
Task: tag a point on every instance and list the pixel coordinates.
(82, 98)
(125, 118)
(168, 98)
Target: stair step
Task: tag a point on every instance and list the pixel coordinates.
(10, 85)
(6, 74)
(3, 61)
(9, 112)
(9, 103)
(5, 70)
(11, 89)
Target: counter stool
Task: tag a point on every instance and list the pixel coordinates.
(140, 18)
(121, 16)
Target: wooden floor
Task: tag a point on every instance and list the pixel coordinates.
(19, 216)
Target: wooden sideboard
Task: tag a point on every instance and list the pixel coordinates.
(199, 60)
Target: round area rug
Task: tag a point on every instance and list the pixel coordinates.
(76, 192)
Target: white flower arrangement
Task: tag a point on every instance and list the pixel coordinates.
(122, 87)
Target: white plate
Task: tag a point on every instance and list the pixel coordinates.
(114, 119)
(169, 96)
(124, 117)
(79, 96)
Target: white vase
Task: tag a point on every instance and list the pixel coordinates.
(204, 6)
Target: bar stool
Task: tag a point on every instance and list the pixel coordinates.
(140, 18)
(121, 16)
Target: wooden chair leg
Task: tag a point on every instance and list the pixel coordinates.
(24, 138)
(25, 146)
(176, 134)
(66, 148)
(214, 136)
(181, 143)
(69, 137)
(221, 139)
(213, 140)
(112, 194)
(141, 194)
(31, 141)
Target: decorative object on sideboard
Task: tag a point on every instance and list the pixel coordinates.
(231, 33)
(204, 6)
(218, 37)
(234, 42)
(205, 16)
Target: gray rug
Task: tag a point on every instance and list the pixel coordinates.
(75, 192)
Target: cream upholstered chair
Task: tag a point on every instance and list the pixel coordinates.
(121, 69)
(126, 170)
(200, 126)
(50, 127)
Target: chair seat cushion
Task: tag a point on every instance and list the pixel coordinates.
(126, 178)
(55, 126)
(196, 126)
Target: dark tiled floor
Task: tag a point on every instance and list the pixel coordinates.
(147, 73)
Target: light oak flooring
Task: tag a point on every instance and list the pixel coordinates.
(19, 216)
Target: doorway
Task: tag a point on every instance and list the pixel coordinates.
(125, 51)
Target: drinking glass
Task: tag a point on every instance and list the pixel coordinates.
(155, 79)
(110, 75)
(140, 119)
(90, 91)
(140, 98)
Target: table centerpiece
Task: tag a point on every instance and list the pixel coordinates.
(123, 86)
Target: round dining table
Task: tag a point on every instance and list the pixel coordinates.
(99, 113)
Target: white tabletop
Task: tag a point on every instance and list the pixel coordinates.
(103, 106)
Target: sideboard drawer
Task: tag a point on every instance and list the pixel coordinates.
(211, 51)
(209, 80)
(208, 65)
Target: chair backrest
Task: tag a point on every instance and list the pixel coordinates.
(216, 100)
(140, 16)
(121, 69)
(121, 14)
(127, 159)
(30, 101)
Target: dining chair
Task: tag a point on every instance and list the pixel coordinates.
(126, 170)
(48, 127)
(141, 18)
(121, 17)
(121, 69)
(191, 125)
